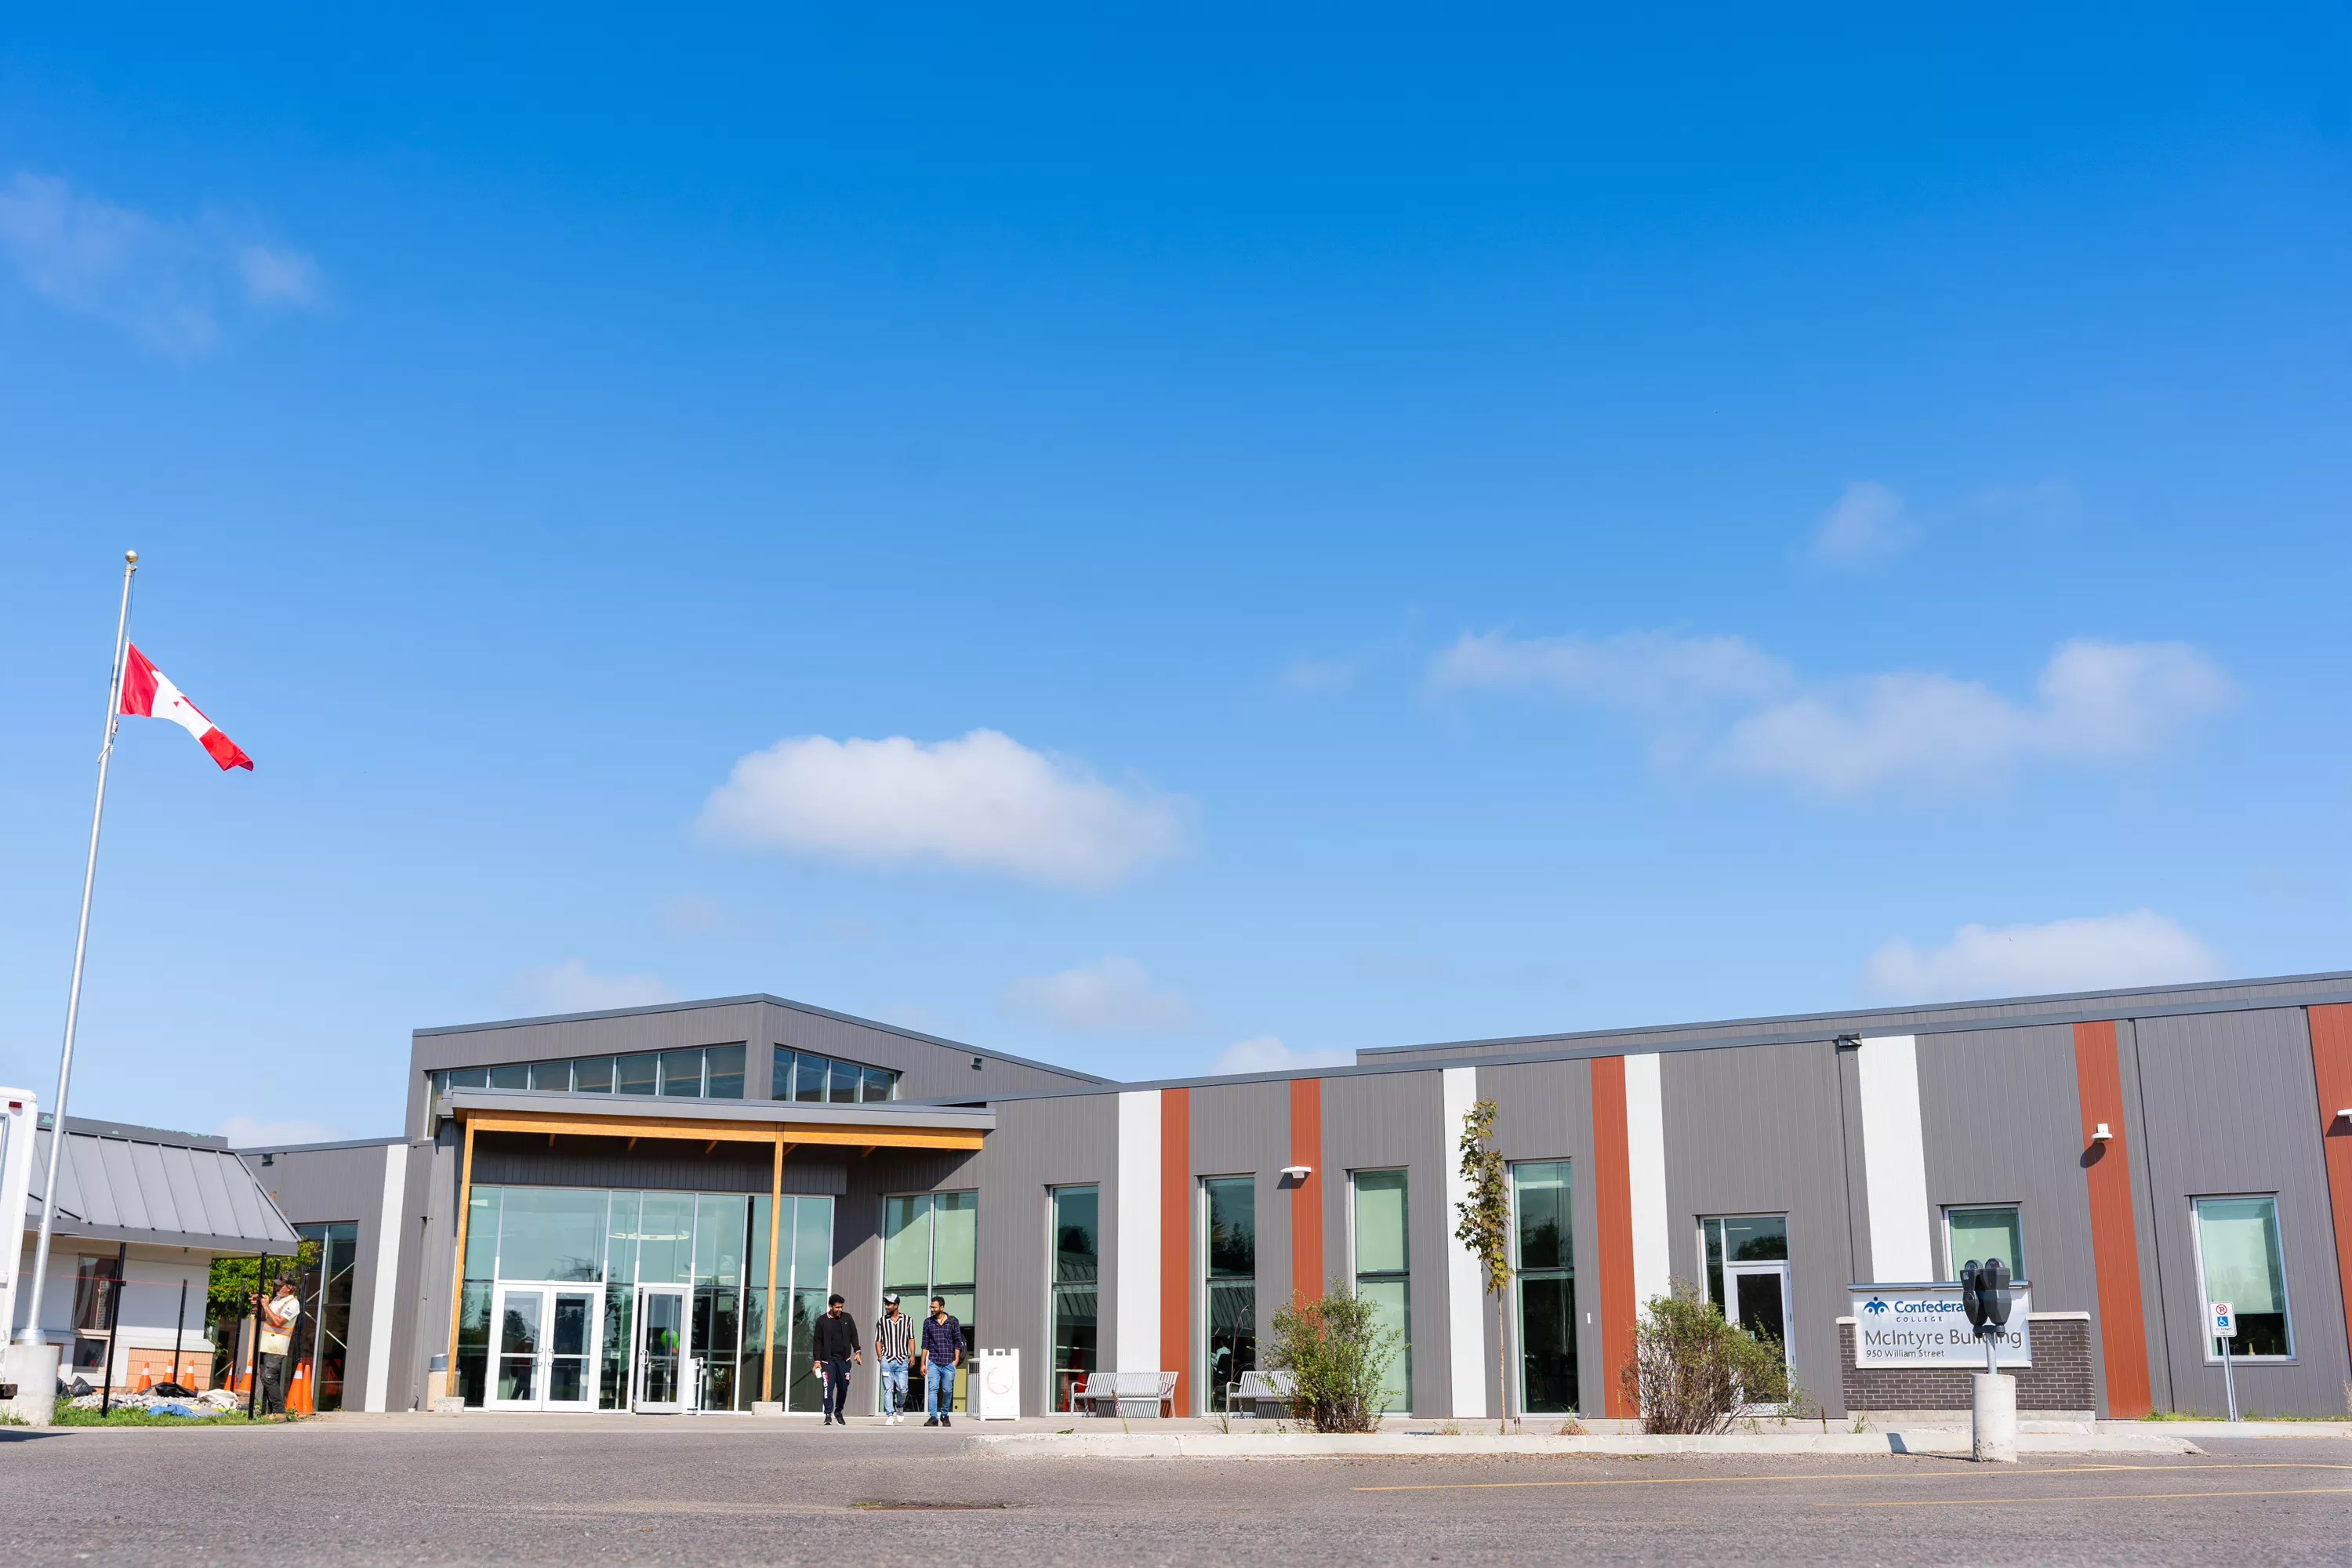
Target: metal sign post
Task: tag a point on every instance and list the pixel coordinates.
(2225, 1328)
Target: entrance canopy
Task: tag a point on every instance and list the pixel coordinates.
(543, 1371)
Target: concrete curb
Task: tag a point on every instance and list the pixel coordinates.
(1432, 1445)
(2233, 1428)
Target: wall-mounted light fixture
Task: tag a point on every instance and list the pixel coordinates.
(1296, 1172)
(2100, 1134)
(975, 1064)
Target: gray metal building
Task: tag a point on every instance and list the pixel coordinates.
(708, 1171)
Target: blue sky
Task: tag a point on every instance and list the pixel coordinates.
(1155, 542)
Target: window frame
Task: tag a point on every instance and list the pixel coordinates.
(1210, 1394)
(2286, 1298)
(1566, 1270)
(1951, 1259)
(1356, 1273)
(1053, 1284)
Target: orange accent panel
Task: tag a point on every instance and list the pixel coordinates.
(1612, 1195)
(2331, 1070)
(2115, 1246)
(1176, 1240)
(1307, 1197)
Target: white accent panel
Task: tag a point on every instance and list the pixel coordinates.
(1135, 1338)
(387, 1276)
(1465, 1296)
(1645, 1160)
(1895, 1160)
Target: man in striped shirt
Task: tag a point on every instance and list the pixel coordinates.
(893, 1332)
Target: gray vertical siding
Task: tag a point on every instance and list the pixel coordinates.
(1039, 1143)
(2230, 1108)
(1375, 1123)
(314, 1186)
(1543, 1111)
(2002, 1124)
(1756, 1130)
(1241, 1130)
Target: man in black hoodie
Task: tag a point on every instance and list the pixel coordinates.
(835, 1347)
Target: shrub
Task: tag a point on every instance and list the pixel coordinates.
(1693, 1373)
(1338, 1356)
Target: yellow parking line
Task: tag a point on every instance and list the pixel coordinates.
(1955, 1473)
(2090, 1496)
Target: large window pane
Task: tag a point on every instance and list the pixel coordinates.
(1382, 1271)
(551, 1077)
(2238, 1243)
(907, 1247)
(1539, 1193)
(469, 1077)
(812, 1246)
(552, 1232)
(681, 1072)
(621, 1239)
(593, 1075)
(779, 1075)
(666, 1239)
(1985, 1233)
(955, 1242)
(725, 1066)
(1076, 1212)
(512, 1075)
(1547, 1287)
(878, 1083)
(1233, 1283)
(1379, 1222)
(638, 1073)
(845, 1077)
(719, 1239)
(809, 1075)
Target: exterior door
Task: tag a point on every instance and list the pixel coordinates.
(1759, 1296)
(662, 1371)
(544, 1354)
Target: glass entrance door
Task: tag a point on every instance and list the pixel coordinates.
(660, 1388)
(544, 1350)
(1759, 1300)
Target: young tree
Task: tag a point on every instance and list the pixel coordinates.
(1486, 1229)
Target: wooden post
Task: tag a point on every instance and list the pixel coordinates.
(775, 1214)
(464, 1211)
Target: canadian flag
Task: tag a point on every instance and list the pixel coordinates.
(149, 692)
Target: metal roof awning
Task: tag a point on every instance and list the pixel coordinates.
(163, 1189)
(791, 1123)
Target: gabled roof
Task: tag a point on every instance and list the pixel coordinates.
(166, 1189)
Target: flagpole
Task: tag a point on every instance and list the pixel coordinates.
(32, 1333)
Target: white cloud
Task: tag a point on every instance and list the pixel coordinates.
(273, 276)
(982, 802)
(2096, 701)
(1266, 1053)
(160, 279)
(1114, 995)
(2141, 948)
(1867, 524)
(1655, 670)
(1321, 677)
(245, 1133)
(570, 987)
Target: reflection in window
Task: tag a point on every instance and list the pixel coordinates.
(799, 1074)
(1546, 1281)
(714, 1243)
(1383, 1273)
(1233, 1283)
(2238, 1249)
(930, 1247)
(1076, 1239)
(710, 1072)
(1982, 1234)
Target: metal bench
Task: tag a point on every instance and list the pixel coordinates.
(1265, 1394)
(1134, 1394)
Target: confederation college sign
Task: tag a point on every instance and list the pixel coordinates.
(1924, 1325)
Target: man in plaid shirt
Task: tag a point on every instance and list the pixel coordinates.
(942, 1353)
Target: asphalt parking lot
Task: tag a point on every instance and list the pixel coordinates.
(475, 1491)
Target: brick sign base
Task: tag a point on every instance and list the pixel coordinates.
(2059, 1378)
